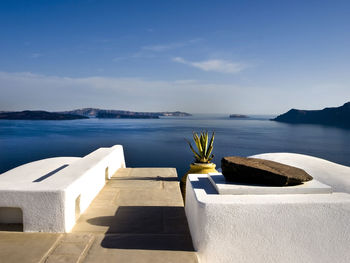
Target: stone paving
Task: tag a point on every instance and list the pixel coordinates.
(137, 217)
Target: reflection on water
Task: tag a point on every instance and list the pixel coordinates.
(160, 142)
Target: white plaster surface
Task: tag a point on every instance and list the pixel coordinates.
(228, 188)
(335, 175)
(49, 205)
(269, 228)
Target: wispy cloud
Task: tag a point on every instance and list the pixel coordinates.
(23, 90)
(152, 51)
(217, 65)
(36, 55)
(34, 91)
(170, 46)
(161, 48)
(135, 55)
(117, 59)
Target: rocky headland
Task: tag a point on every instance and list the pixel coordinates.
(335, 116)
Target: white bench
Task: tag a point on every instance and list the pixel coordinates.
(51, 193)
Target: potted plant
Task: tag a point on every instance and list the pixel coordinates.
(203, 156)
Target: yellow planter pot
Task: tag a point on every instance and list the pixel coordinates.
(196, 168)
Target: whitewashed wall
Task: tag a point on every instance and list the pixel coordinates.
(50, 204)
(268, 228)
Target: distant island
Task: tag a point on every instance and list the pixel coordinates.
(111, 115)
(38, 115)
(85, 114)
(336, 116)
(101, 113)
(238, 116)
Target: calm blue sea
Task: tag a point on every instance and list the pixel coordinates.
(160, 142)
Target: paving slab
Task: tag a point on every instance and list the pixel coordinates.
(25, 247)
(109, 248)
(138, 217)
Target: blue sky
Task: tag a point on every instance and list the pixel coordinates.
(252, 57)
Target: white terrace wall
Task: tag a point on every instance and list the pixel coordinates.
(267, 228)
(53, 192)
(80, 193)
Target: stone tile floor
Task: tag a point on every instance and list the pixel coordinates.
(137, 217)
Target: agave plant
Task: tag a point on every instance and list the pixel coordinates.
(204, 149)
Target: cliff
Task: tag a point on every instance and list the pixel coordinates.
(336, 116)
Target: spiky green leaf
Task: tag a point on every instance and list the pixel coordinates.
(204, 154)
(198, 144)
(197, 156)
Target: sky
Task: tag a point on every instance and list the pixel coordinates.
(243, 57)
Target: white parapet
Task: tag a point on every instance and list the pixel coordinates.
(335, 175)
(52, 193)
(270, 227)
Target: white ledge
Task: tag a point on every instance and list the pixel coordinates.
(335, 175)
(228, 188)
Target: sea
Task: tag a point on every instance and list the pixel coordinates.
(161, 142)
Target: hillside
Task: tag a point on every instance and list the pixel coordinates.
(38, 115)
(336, 116)
(101, 113)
